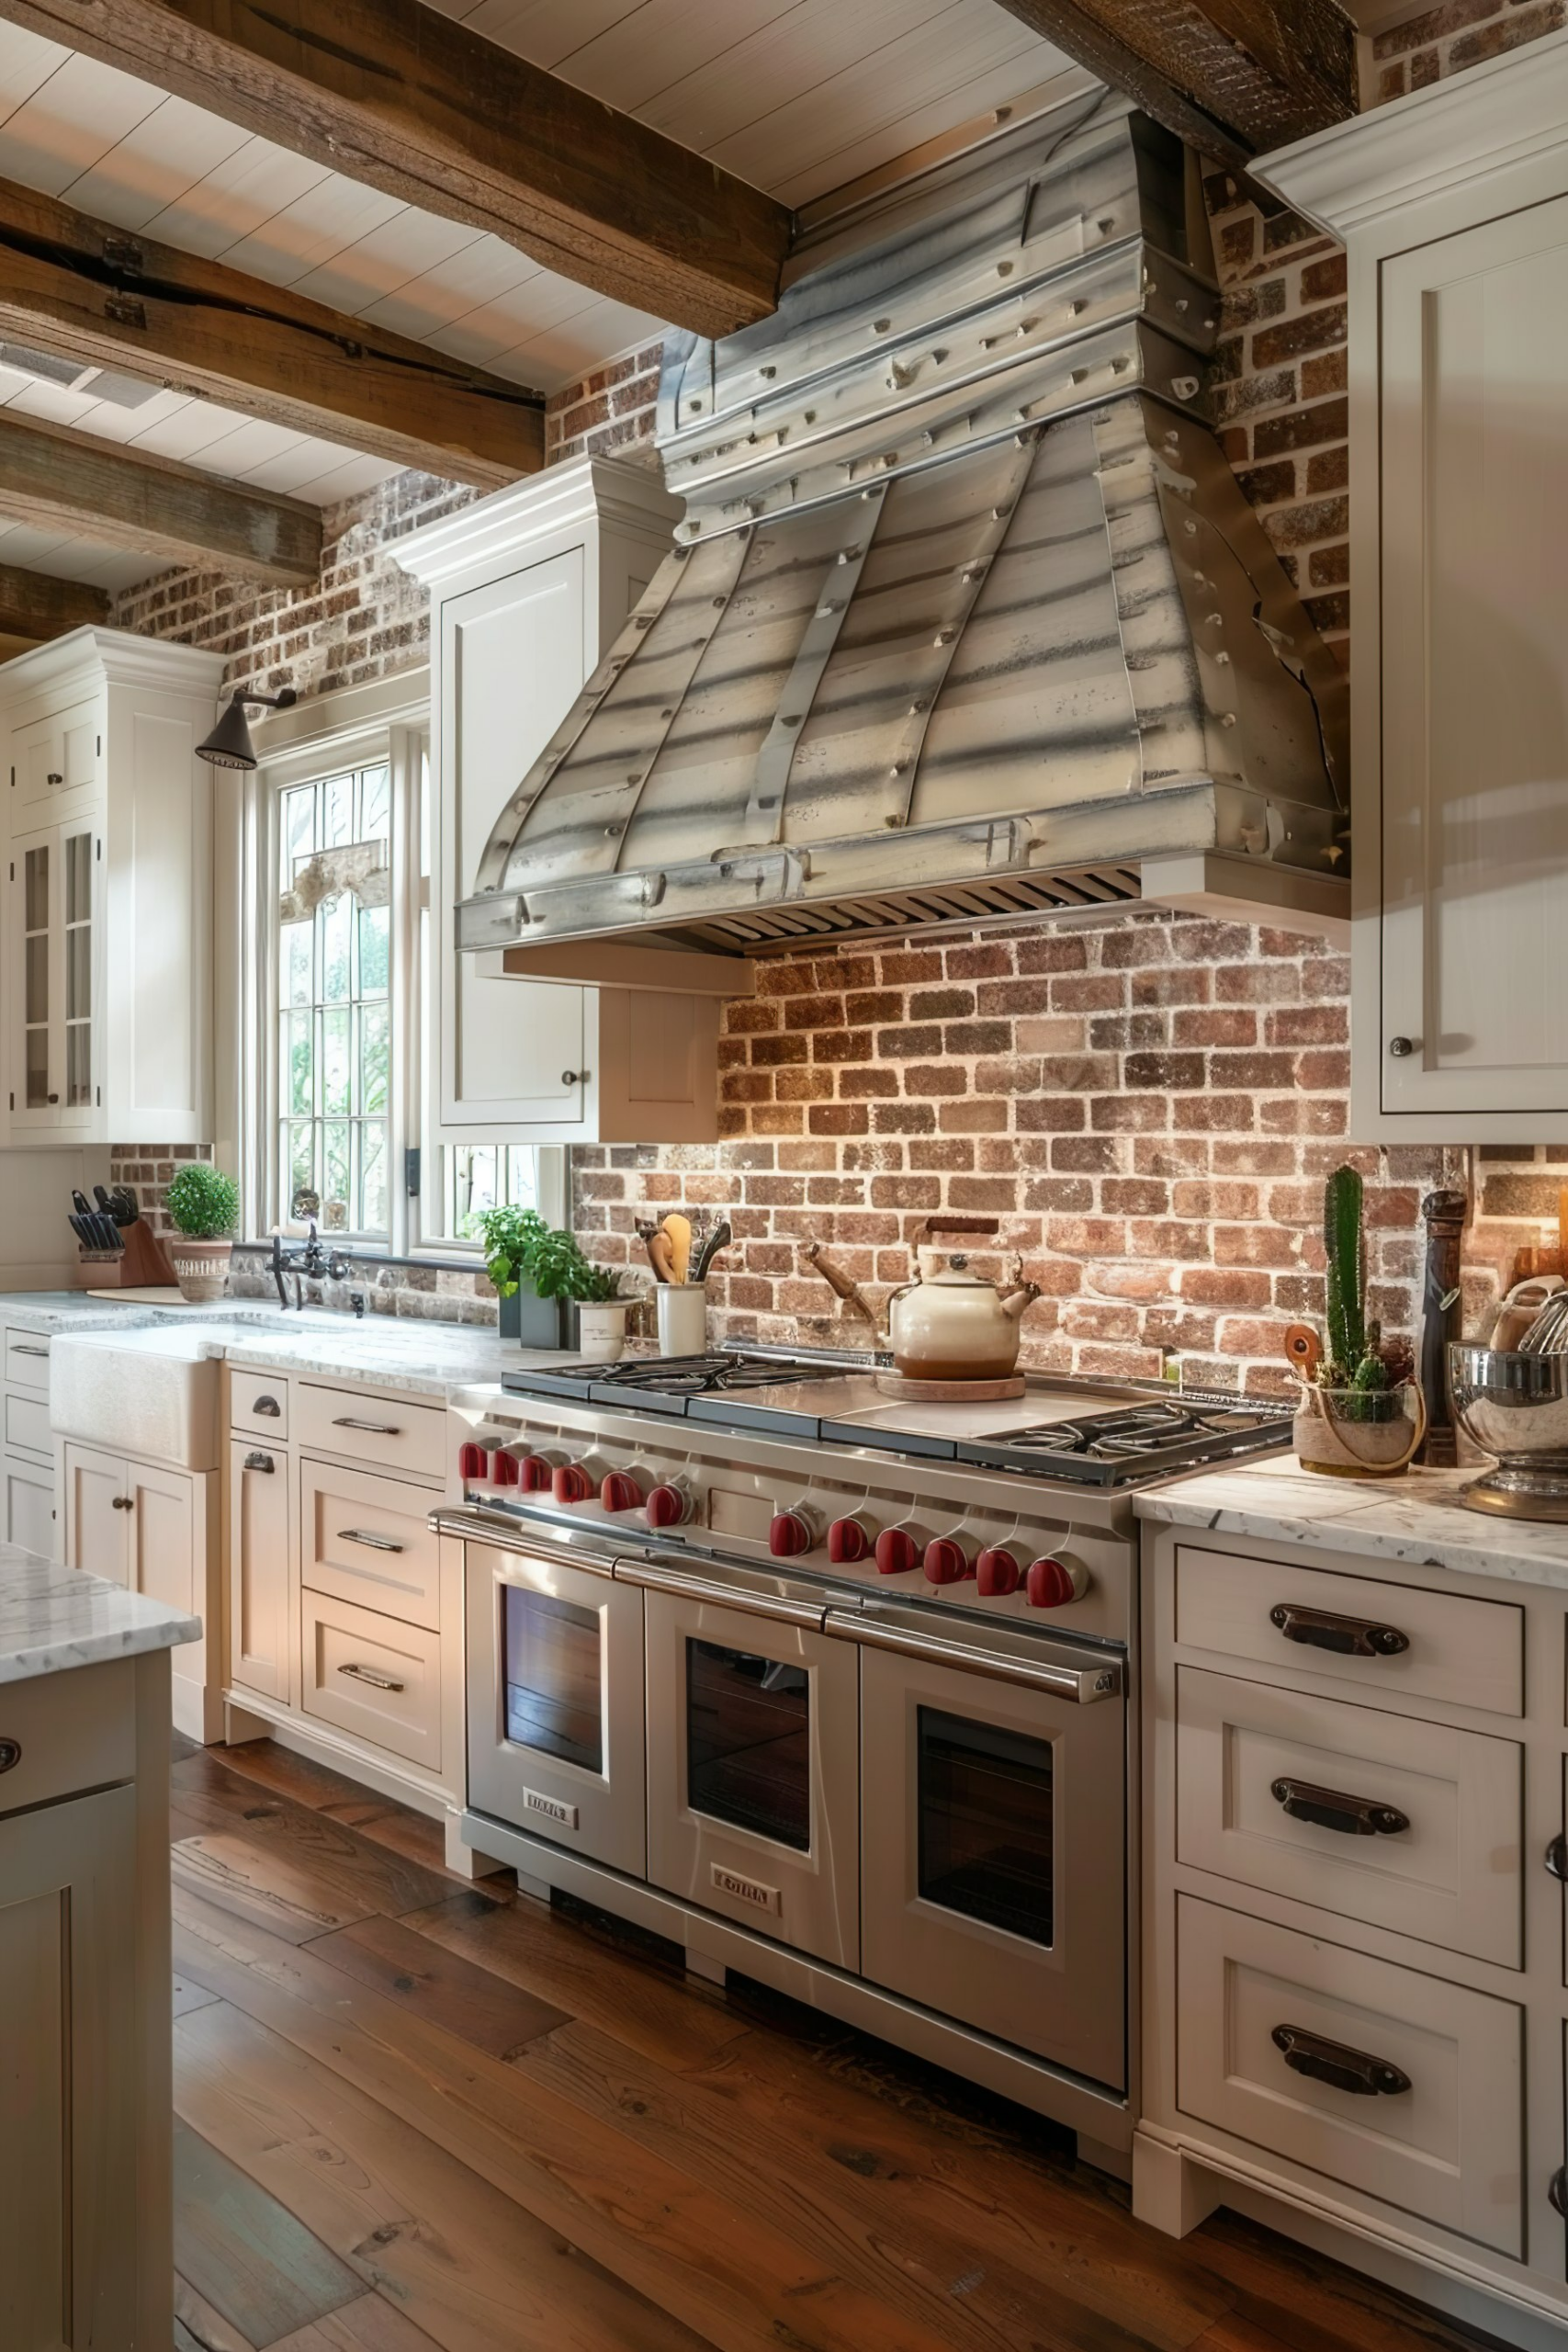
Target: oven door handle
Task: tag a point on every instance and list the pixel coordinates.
(1083, 1685)
(748, 1604)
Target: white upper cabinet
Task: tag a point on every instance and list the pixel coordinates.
(1453, 203)
(107, 977)
(529, 589)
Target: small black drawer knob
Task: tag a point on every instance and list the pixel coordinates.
(1557, 2190)
(10, 1754)
(1401, 1048)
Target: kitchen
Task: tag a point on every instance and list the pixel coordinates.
(709, 1132)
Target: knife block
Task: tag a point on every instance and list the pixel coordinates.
(141, 1264)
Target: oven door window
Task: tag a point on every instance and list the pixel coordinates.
(554, 1678)
(987, 1802)
(748, 1743)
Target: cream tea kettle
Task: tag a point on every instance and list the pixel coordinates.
(951, 1322)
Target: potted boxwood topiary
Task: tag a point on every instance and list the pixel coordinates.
(204, 1209)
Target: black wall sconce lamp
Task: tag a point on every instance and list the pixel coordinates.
(230, 744)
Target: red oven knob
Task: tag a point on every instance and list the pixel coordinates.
(1051, 1583)
(946, 1562)
(997, 1573)
(473, 1462)
(506, 1471)
(848, 1540)
(790, 1535)
(572, 1484)
(620, 1491)
(896, 1551)
(668, 1506)
(535, 1474)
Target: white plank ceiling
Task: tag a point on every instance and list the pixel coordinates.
(798, 96)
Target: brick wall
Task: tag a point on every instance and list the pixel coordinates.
(1150, 1106)
(1446, 39)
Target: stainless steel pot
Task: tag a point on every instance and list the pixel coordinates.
(1514, 1406)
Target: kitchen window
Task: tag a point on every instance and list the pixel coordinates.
(336, 1004)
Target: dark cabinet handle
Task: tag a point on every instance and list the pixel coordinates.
(1330, 1809)
(1349, 1636)
(10, 1754)
(1557, 2191)
(1401, 1048)
(268, 1407)
(259, 1462)
(571, 1076)
(54, 776)
(122, 1502)
(373, 1429)
(1557, 1858)
(1335, 2064)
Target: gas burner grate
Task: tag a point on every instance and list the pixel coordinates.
(1131, 1444)
(668, 1380)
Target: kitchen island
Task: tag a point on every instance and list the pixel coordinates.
(86, 2252)
(1355, 1727)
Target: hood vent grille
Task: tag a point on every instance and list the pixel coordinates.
(967, 615)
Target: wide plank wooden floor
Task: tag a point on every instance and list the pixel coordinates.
(414, 2113)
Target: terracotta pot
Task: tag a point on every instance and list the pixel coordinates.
(201, 1268)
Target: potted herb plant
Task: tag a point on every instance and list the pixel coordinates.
(1362, 1415)
(601, 1310)
(512, 1240)
(204, 1209)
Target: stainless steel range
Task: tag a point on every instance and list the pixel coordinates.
(832, 1690)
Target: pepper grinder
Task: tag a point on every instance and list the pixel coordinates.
(1444, 1213)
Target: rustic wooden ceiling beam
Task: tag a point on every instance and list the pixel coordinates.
(1232, 77)
(34, 605)
(80, 482)
(398, 95)
(86, 291)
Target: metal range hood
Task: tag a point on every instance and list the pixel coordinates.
(969, 619)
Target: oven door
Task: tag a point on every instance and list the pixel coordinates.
(555, 1699)
(753, 1762)
(993, 1822)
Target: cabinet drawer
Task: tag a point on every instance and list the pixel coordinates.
(1424, 1836)
(258, 1406)
(369, 1539)
(1438, 1645)
(1441, 2140)
(26, 1423)
(27, 1360)
(74, 1731)
(373, 1677)
(384, 1430)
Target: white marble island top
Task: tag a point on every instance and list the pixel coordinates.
(1417, 1518)
(53, 1618)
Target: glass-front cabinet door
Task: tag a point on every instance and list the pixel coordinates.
(54, 1077)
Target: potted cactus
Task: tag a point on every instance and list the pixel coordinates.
(1360, 1415)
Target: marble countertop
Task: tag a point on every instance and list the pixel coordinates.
(53, 1618)
(419, 1358)
(1417, 1519)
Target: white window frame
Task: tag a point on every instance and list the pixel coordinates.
(356, 728)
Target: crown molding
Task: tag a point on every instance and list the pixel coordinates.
(1490, 118)
(586, 494)
(124, 659)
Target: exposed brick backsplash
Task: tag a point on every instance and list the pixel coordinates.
(149, 1169)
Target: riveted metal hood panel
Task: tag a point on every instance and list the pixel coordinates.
(967, 614)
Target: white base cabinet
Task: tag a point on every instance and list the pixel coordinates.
(29, 1514)
(155, 1531)
(1453, 204)
(1354, 2008)
(106, 986)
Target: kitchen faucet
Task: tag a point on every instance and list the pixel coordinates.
(309, 1259)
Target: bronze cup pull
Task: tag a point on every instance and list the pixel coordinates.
(1333, 2062)
(1350, 1636)
(10, 1754)
(1557, 2191)
(1331, 1809)
(1557, 1858)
